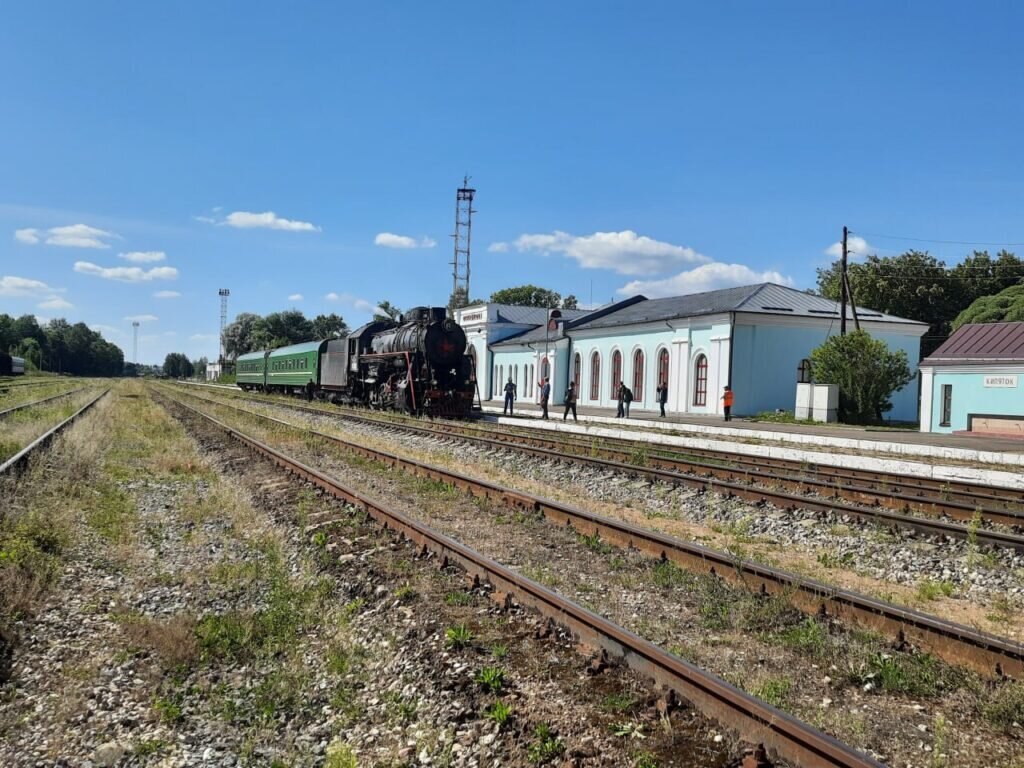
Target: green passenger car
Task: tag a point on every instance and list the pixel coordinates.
(250, 370)
(295, 367)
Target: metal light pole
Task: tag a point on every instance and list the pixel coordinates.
(135, 341)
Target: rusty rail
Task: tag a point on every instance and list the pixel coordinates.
(753, 493)
(45, 400)
(983, 652)
(754, 720)
(21, 458)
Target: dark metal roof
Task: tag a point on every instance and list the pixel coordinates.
(571, 318)
(981, 343)
(763, 298)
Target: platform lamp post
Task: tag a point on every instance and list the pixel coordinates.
(135, 342)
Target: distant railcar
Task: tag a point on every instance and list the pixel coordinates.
(416, 365)
(17, 366)
(10, 365)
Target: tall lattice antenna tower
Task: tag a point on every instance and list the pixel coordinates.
(135, 341)
(463, 235)
(223, 293)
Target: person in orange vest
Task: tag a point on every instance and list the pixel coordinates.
(727, 402)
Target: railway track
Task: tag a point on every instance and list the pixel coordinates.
(983, 652)
(21, 458)
(754, 720)
(762, 487)
(34, 403)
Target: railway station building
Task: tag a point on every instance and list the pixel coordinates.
(972, 383)
(756, 339)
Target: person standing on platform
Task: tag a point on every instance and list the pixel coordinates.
(627, 397)
(727, 403)
(510, 396)
(662, 393)
(620, 411)
(570, 401)
(545, 394)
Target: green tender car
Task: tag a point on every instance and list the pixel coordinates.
(250, 370)
(294, 368)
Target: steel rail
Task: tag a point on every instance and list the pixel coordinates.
(983, 652)
(19, 459)
(23, 406)
(669, 456)
(754, 720)
(753, 493)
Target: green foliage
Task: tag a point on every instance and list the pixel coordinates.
(920, 287)
(1006, 708)
(545, 747)
(387, 311)
(913, 674)
(459, 597)
(532, 296)
(774, 691)
(865, 370)
(341, 755)
(458, 636)
(60, 346)
(491, 679)
(250, 332)
(646, 760)
(499, 712)
(1007, 306)
(177, 366)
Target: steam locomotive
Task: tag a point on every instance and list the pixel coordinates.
(416, 365)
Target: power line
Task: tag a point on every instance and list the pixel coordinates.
(931, 240)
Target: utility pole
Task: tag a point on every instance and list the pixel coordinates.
(223, 293)
(135, 341)
(842, 278)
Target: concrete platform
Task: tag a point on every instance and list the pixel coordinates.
(882, 450)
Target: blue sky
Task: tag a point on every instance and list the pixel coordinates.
(616, 147)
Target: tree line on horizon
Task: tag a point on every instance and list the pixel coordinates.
(60, 347)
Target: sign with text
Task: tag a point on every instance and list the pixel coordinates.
(1008, 382)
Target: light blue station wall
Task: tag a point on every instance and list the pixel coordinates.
(970, 396)
(766, 359)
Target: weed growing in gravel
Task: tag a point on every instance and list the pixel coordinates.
(809, 638)
(340, 755)
(774, 690)
(499, 651)
(939, 728)
(542, 575)
(405, 593)
(459, 636)
(499, 712)
(645, 760)
(629, 730)
(913, 674)
(169, 708)
(491, 679)
(150, 747)
(545, 747)
(1006, 708)
(928, 590)
(831, 559)
(618, 703)
(593, 542)
(399, 708)
(459, 597)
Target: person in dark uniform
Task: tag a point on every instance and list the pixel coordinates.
(545, 394)
(625, 397)
(510, 395)
(662, 392)
(570, 401)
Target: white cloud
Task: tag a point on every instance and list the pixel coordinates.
(352, 301)
(706, 277)
(625, 252)
(167, 295)
(142, 318)
(295, 297)
(498, 247)
(855, 246)
(126, 274)
(23, 286)
(389, 240)
(109, 330)
(143, 257)
(266, 220)
(55, 302)
(203, 337)
(79, 236)
(69, 236)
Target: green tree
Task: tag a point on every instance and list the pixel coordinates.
(330, 326)
(290, 326)
(244, 335)
(980, 275)
(527, 296)
(866, 371)
(1007, 306)
(177, 365)
(570, 302)
(386, 311)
